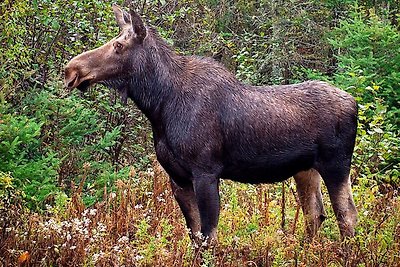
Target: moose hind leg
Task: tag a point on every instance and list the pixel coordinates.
(187, 202)
(308, 185)
(342, 203)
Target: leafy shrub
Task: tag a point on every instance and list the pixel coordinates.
(38, 37)
(368, 49)
(78, 133)
(376, 157)
(22, 154)
(49, 136)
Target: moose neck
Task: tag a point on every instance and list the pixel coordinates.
(157, 79)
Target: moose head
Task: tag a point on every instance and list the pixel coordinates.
(112, 63)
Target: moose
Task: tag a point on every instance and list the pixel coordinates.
(207, 126)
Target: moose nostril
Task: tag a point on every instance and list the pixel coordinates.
(71, 82)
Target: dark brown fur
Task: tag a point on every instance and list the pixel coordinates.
(208, 125)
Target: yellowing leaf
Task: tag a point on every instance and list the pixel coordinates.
(24, 258)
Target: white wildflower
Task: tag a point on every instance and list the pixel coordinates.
(160, 199)
(138, 257)
(76, 222)
(205, 242)
(86, 221)
(85, 232)
(101, 227)
(123, 239)
(198, 235)
(138, 206)
(117, 249)
(150, 172)
(66, 224)
(97, 256)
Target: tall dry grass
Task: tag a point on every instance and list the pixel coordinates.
(143, 226)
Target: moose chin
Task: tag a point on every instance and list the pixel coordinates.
(207, 126)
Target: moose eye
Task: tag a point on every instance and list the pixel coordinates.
(118, 47)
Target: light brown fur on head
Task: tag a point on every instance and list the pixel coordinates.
(109, 61)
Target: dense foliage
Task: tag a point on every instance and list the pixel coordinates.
(64, 154)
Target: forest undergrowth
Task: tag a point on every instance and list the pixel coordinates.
(144, 227)
(79, 181)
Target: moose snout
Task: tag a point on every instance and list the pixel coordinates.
(77, 77)
(70, 79)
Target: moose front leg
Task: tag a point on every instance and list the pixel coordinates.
(206, 188)
(187, 202)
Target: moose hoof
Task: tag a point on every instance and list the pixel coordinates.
(200, 241)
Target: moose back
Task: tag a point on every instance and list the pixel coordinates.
(208, 125)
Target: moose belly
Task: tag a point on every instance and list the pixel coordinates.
(267, 169)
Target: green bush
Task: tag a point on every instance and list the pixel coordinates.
(376, 157)
(47, 135)
(39, 36)
(22, 154)
(46, 146)
(368, 50)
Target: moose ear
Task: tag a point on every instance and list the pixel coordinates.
(138, 25)
(122, 17)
